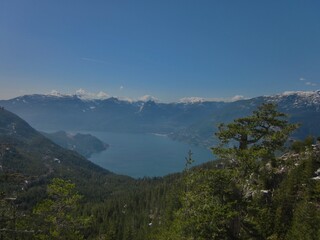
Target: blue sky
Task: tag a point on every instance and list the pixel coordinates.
(168, 49)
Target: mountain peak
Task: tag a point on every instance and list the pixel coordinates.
(191, 100)
(84, 95)
(55, 93)
(148, 98)
(301, 93)
(81, 94)
(299, 98)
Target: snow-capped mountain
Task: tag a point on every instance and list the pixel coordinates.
(192, 100)
(298, 99)
(91, 96)
(81, 94)
(193, 118)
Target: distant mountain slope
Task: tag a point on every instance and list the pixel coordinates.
(47, 112)
(29, 160)
(84, 144)
(194, 121)
(301, 107)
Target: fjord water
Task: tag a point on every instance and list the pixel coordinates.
(139, 155)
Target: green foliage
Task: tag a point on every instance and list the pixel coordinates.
(6, 217)
(300, 146)
(255, 195)
(296, 201)
(248, 141)
(258, 136)
(210, 205)
(250, 193)
(138, 213)
(57, 212)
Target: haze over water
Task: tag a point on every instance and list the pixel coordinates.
(139, 155)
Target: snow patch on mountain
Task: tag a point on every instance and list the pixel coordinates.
(81, 94)
(102, 95)
(147, 98)
(55, 93)
(299, 98)
(190, 100)
(304, 94)
(126, 99)
(236, 98)
(91, 96)
(141, 108)
(84, 95)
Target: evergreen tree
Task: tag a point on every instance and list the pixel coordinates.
(255, 137)
(221, 203)
(57, 212)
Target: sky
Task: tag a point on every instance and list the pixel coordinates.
(168, 49)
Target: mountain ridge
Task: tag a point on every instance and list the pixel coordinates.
(196, 120)
(87, 96)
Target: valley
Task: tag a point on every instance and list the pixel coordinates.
(150, 207)
(159, 120)
(193, 122)
(128, 126)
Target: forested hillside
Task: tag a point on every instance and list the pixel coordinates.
(262, 187)
(253, 193)
(84, 144)
(29, 162)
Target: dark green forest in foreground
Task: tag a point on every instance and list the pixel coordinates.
(264, 185)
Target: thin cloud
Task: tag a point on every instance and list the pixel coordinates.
(121, 87)
(308, 83)
(93, 60)
(311, 84)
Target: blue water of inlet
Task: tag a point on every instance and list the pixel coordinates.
(145, 155)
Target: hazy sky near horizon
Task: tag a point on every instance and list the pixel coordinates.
(169, 49)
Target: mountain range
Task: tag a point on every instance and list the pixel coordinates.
(192, 121)
(119, 206)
